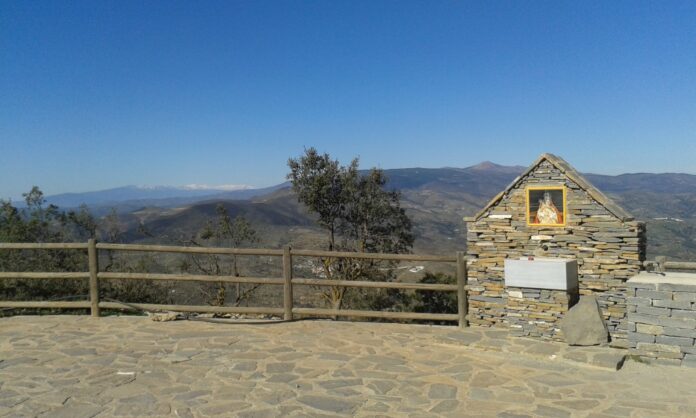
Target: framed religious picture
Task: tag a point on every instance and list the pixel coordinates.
(546, 206)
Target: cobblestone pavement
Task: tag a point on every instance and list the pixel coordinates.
(70, 366)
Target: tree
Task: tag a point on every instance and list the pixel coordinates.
(357, 214)
(38, 223)
(80, 224)
(223, 231)
(110, 230)
(434, 301)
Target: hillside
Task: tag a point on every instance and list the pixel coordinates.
(436, 200)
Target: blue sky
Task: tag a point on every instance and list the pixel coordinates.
(101, 94)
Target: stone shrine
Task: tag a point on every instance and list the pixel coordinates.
(551, 212)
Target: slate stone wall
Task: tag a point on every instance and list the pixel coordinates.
(662, 322)
(537, 312)
(608, 250)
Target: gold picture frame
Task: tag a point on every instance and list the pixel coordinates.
(546, 206)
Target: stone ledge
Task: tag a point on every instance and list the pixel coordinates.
(667, 281)
(501, 341)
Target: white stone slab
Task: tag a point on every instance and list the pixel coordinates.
(542, 273)
(670, 277)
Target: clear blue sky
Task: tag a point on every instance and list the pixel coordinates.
(98, 94)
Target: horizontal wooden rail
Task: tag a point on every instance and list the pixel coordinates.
(279, 281)
(373, 256)
(151, 307)
(43, 246)
(377, 285)
(42, 275)
(375, 314)
(190, 250)
(44, 304)
(191, 277)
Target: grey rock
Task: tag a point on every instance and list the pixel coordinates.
(583, 324)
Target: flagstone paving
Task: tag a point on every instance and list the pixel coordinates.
(73, 366)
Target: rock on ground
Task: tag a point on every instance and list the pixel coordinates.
(583, 324)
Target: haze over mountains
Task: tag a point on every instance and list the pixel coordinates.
(133, 197)
(436, 199)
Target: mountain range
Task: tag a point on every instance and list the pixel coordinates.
(436, 199)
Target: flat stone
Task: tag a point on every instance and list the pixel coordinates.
(224, 408)
(328, 403)
(612, 361)
(340, 383)
(280, 367)
(461, 338)
(549, 411)
(192, 395)
(487, 379)
(449, 405)
(442, 391)
(75, 411)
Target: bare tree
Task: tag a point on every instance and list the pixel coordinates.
(223, 231)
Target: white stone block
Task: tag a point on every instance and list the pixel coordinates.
(542, 273)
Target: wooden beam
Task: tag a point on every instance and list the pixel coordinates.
(42, 275)
(377, 285)
(93, 277)
(462, 297)
(287, 289)
(151, 307)
(42, 246)
(375, 314)
(373, 256)
(45, 304)
(189, 250)
(192, 278)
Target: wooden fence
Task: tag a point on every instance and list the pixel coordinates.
(288, 311)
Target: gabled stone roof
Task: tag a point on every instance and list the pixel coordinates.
(573, 175)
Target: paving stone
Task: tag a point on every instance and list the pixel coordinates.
(513, 415)
(340, 383)
(549, 411)
(381, 387)
(224, 408)
(608, 360)
(192, 395)
(442, 391)
(329, 404)
(487, 379)
(75, 411)
(446, 406)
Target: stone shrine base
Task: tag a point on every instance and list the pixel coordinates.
(79, 367)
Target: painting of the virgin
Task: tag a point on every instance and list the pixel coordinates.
(546, 206)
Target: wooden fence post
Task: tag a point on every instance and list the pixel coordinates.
(287, 287)
(93, 281)
(462, 279)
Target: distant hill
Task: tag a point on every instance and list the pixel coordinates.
(129, 198)
(646, 195)
(436, 199)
